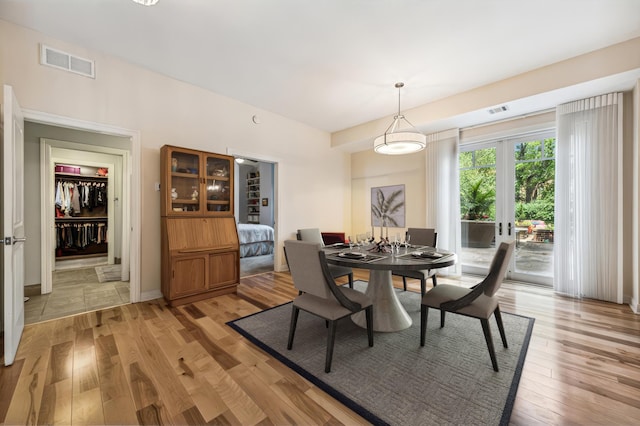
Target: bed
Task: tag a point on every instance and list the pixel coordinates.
(255, 240)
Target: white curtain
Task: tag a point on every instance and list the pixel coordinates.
(443, 192)
(588, 200)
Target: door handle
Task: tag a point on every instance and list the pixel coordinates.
(12, 240)
(500, 228)
(509, 229)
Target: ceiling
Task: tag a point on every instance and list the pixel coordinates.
(332, 64)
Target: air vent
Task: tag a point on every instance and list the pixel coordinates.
(497, 110)
(66, 61)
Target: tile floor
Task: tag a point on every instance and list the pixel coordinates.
(74, 291)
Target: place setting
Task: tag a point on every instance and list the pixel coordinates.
(361, 252)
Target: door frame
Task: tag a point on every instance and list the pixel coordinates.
(50, 153)
(131, 171)
(278, 257)
(504, 202)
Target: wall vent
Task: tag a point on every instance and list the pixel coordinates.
(497, 110)
(66, 61)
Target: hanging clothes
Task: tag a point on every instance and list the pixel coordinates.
(75, 198)
(79, 236)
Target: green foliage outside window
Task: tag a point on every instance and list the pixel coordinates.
(534, 182)
(477, 184)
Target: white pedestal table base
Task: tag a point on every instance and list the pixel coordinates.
(388, 312)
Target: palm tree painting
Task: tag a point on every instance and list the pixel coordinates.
(387, 206)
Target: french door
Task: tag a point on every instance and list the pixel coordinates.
(507, 194)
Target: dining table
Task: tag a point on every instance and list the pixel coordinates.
(388, 313)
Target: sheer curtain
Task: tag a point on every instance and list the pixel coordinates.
(588, 201)
(443, 192)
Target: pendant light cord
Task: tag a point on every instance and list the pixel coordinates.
(399, 86)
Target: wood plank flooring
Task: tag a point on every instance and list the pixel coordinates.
(146, 363)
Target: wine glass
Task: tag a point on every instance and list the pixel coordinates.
(407, 240)
(350, 241)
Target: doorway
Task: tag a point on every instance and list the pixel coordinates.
(78, 283)
(507, 190)
(255, 214)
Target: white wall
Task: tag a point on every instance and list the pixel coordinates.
(165, 111)
(374, 170)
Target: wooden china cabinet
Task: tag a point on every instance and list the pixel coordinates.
(200, 249)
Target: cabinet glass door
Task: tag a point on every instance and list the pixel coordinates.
(185, 182)
(217, 184)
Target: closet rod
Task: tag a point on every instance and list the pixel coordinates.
(68, 177)
(81, 219)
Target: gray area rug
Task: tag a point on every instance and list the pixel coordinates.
(448, 381)
(109, 273)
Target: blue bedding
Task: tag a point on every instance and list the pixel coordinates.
(255, 240)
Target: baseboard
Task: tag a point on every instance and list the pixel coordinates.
(635, 306)
(150, 295)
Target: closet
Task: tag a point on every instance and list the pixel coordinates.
(81, 212)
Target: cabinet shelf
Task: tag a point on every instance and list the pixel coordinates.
(185, 175)
(223, 178)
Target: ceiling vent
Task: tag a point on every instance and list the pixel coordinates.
(497, 110)
(66, 61)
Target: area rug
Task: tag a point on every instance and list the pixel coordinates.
(448, 381)
(109, 273)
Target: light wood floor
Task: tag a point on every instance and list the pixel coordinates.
(148, 364)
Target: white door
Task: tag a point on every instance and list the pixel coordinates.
(13, 223)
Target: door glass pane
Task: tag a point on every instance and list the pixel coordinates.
(534, 208)
(185, 169)
(478, 206)
(218, 190)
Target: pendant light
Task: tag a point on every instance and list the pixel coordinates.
(400, 137)
(146, 2)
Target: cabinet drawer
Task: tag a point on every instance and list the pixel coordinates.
(223, 269)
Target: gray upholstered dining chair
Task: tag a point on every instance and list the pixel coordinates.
(313, 235)
(478, 301)
(420, 237)
(319, 294)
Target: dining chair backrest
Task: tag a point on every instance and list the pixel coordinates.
(423, 236)
(312, 235)
(306, 269)
(498, 268)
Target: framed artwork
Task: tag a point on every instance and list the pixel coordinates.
(265, 201)
(387, 206)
